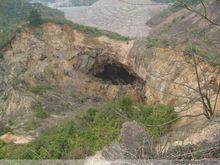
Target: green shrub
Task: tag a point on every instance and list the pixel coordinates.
(155, 42)
(2, 144)
(125, 102)
(40, 89)
(72, 127)
(191, 49)
(7, 35)
(40, 112)
(152, 42)
(90, 132)
(90, 114)
(35, 18)
(4, 129)
(5, 97)
(161, 114)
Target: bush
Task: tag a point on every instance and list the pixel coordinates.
(191, 49)
(152, 42)
(155, 42)
(2, 144)
(90, 115)
(90, 132)
(35, 18)
(40, 112)
(4, 129)
(39, 89)
(72, 127)
(125, 102)
(160, 115)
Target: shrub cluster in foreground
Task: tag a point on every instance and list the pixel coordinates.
(90, 131)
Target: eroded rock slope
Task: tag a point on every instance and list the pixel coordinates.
(60, 69)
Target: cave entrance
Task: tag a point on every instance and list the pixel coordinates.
(115, 74)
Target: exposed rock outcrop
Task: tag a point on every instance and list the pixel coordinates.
(67, 61)
(134, 143)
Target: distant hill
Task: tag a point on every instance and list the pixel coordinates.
(82, 2)
(64, 3)
(15, 12)
(181, 26)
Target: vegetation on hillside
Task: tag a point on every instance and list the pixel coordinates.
(14, 13)
(82, 2)
(90, 131)
(155, 20)
(87, 29)
(35, 18)
(185, 30)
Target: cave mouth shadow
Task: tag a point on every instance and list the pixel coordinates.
(114, 73)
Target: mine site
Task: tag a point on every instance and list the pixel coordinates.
(101, 82)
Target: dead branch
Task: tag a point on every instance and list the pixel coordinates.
(204, 16)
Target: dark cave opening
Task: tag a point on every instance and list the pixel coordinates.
(115, 74)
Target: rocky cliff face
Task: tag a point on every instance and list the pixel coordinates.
(60, 68)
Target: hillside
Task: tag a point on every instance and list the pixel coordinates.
(55, 72)
(64, 3)
(115, 15)
(14, 13)
(184, 27)
(69, 91)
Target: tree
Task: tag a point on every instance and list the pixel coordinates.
(35, 18)
(203, 88)
(208, 107)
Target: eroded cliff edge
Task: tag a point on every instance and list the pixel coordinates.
(60, 68)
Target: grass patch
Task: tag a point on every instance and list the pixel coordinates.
(4, 129)
(31, 125)
(91, 131)
(191, 49)
(212, 57)
(40, 112)
(8, 33)
(156, 42)
(40, 89)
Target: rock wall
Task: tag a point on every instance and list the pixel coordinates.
(64, 57)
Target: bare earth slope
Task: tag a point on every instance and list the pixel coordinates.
(57, 70)
(185, 27)
(116, 15)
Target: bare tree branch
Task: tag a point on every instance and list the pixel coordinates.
(204, 16)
